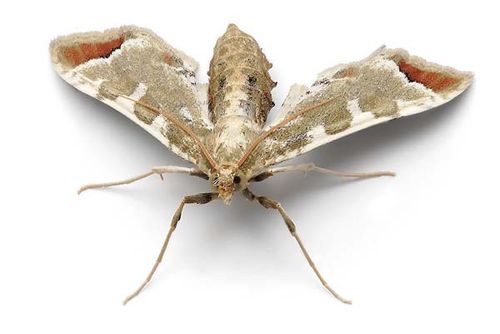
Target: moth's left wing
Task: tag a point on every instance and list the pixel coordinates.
(128, 64)
(347, 98)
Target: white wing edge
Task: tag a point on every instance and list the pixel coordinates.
(124, 106)
(368, 119)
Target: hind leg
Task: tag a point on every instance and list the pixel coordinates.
(202, 198)
(269, 203)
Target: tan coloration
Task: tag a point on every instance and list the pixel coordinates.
(378, 105)
(112, 88)
(239, 79)
(239, 95)
(181, 126)
(146, 115)
(382, 93)
(227, 180)
(169, 87)
(134, 71)
(290, 139)
(379, 87)
(239, 101)
(222, 182)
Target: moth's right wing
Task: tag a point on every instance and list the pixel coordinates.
(351, 97)
(137, 73)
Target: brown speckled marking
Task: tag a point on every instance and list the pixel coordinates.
(378, 105)
(375, 83)
(378, 89)
(144, 114)
(332, 118)
(240, 93)
(166, 79)
(109, 88)
(153, 84)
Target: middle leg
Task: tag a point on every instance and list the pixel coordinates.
(311, 167)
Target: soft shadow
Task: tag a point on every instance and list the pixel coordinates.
(351, 150)
(381, 140)
(91, 110)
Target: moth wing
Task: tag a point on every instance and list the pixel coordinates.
(127, 64)
(347, 98)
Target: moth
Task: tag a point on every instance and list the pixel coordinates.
(221, 127)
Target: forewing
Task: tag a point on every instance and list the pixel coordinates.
(128, 64)
(347, 98)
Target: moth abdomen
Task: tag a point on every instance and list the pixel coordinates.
(240, 83)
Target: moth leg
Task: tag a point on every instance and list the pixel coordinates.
(154, 170)
(202, 198)
(269, 203)
(311, 167)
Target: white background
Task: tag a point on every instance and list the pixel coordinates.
(418, 253)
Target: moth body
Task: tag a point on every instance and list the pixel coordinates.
(221, 127)
(239, 101)
(240, 84)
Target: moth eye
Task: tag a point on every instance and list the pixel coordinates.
(237, 179)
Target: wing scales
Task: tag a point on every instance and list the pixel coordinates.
(348, 98)
(129, 64)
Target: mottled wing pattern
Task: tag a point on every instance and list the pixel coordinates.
(347, 98)
(127, 64)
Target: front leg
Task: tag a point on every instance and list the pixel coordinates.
(155, 170)
(269, 203)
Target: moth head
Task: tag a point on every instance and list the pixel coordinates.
(225, 181)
